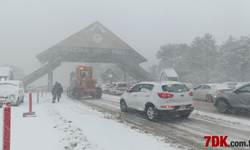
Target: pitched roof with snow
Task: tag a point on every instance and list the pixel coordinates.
(95, 39)
(96, 36)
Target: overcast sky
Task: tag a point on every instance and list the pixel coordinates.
(29, 27)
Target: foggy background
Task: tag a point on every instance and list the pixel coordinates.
(31, 27)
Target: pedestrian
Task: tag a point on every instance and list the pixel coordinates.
(56, 92)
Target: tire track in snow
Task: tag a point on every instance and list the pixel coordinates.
(191, 130)
(169, 133)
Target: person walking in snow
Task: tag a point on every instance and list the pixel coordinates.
(56, 92)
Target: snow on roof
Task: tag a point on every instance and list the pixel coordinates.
(147, 82)
(240, 84)
(4, 71)
(170, 72)
(93, 28)
(169, 82)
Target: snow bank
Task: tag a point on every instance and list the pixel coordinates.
(104, 132)
(70, 125)
(71, 136)
(31, 133)
(221, 118)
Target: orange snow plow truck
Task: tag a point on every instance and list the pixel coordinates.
(83, 84)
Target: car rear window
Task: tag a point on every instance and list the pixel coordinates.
(175, 88)
(122, 85)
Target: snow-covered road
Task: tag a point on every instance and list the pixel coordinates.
(99, 124)
(188, 132)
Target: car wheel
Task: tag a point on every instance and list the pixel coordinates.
(152, 113)
(123, 106)
(17, 102)
(209, 98)
(223, 106)
(184, 114)
(99, 93)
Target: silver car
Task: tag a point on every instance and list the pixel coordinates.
(209, 91)
(230, 85)
(118, 88)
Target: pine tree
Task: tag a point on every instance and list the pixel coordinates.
(202, 58)
(170, 55)
(234, 62)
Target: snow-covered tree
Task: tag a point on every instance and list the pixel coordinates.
(202, 58)
(170, 55)
(234, 61)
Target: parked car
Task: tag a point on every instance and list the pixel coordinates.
(105, 87)
(118, 88)
(230, 85)
(130, 86)
(239, 84)
(209, 91)
(158, 99)
(11, 91)
(238, 99)
(189, 85)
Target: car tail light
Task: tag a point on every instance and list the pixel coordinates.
(218, 91)
(170, 106)
(167, 106)
(190, 93)
(192, 104)
(165, 95)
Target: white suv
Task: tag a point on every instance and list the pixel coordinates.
(159, 98)
(118, 88)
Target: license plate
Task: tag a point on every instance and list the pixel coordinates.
(183, 107)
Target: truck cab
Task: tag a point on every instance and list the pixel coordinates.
(6, 73)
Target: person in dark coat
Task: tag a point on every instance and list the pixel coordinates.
(56, 92)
